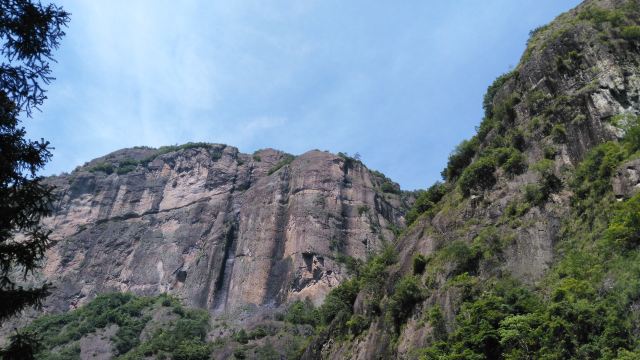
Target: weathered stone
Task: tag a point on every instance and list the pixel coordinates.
(218, 228)
(626, 181)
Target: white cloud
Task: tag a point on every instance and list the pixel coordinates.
(373, 77)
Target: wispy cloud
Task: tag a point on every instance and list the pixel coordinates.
(401, 83)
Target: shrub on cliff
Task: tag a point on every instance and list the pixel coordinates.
(302, 312)
(407, 293)
(510, 159)
(592, 178)
(624, 228)
(339, 302)
(426, 201)
(286, 160)
(460, 158)
(631, 32)
(478, 176)
(487, 101)
(105, 167)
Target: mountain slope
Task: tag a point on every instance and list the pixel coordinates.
(529, 248)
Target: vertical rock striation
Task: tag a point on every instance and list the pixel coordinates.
(217, 228)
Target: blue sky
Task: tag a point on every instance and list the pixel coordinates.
(400, 83)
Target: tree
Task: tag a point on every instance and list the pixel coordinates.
(29, 32)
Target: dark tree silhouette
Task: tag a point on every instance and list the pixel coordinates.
(29, 32)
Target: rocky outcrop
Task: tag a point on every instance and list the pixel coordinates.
(218, 228)
(576, 84)
(626, 181)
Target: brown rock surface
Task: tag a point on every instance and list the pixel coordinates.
(217, 228)
(626, 181)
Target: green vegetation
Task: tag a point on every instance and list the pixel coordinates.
(436, 319)
(487, 102)
(538, 194)
(352, 264)
(338, 305)
(108, 168)
(214, 150)
(507, 320)
(372, 277)
(503, 111)
(363, 209)
(631, 32)
(510, 159)
(630, 124)
(389, 187)
(477, 333)
(105, 167)
(386, 185)
(351, 161)
(286, 160)
(127, 165)
(426, 201)
(516, 209)
(419, 264)
(515, 164)
(569, 62)
(598, 16)
(459, 159)
(489, 243)
(592, 180)
(503, 149)
(536, 100)
(584, 307)
(31, 32)
(559, 133)
(302, 312)
(336, 313)
(501, 318)
(161, 328)
(550, 152)
(624, 228)
(241, 337)
(610, 23)
(183, 338)
(407, 293)
(478, 176)
(502, 116)
(173, 148)
(454, 258)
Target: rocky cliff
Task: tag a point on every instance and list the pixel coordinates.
(526, 211)
(215, 227)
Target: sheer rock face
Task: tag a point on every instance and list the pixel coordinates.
(217, 228)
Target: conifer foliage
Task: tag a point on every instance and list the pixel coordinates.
(29, 33)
